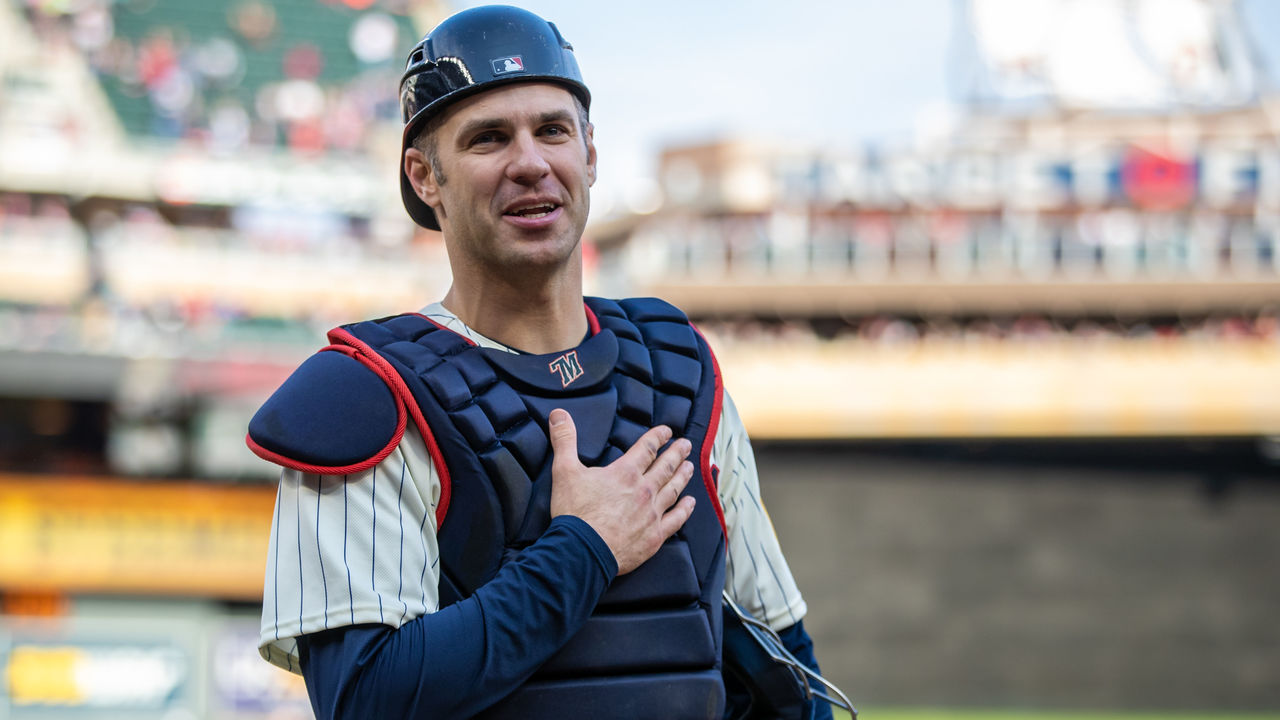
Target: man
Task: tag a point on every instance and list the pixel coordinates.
(514, 503)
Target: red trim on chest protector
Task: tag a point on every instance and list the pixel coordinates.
(713, 426)
(345, 342)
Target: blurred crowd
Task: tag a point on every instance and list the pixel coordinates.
(320, 75)
(196, 330)
(895, 330)
(138, 283)
(306, 75)
(1118, 243)
(161, 329)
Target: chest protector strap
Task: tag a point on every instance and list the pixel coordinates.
(652, 649)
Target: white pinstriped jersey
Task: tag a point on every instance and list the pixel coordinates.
(361, 548)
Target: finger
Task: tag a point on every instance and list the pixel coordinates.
(666, 464)
(647, 447)
(564, 438)
(676, 517)
(676, 485)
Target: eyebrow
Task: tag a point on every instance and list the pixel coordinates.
(555, 116)
(480, 124)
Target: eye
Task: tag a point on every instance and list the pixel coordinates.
(486, 138)
(555, 131)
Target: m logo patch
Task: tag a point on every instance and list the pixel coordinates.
(504, 65)
(567, 366)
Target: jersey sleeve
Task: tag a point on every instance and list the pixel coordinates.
(351, 549)
(757, 576)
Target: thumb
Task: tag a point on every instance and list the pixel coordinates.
(564, 437)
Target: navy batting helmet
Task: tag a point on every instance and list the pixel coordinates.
(472, 51)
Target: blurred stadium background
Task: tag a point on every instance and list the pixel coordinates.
(1015, 386)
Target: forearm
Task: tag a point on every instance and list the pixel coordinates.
(456, 662)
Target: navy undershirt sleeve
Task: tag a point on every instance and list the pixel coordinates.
(467, 656)
(797, 641)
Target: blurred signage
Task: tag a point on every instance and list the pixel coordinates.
(95, 535)
(244, 683)
(1142, 176)
(987, 388)
(34, 604)
(99, 677)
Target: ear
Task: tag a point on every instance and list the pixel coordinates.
(589, 134)
(418, 170)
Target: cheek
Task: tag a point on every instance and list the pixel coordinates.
(467, 190)
(578, 174)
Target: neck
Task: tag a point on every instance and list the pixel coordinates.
(536, 318)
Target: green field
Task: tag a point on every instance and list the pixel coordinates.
(945, 714)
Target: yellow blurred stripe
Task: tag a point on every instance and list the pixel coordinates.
(1006, 389)
(44, 675)
(116, 535)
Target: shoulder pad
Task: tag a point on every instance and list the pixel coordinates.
(641, 309)
(334, 415)
(649, 309)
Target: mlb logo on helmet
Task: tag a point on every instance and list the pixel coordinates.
(504, 65)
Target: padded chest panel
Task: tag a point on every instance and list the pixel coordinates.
(488, 411)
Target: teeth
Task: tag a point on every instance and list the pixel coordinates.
(536, 211)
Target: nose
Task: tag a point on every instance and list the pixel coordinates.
(527, 165)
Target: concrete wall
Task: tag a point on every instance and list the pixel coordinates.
(1140, 577)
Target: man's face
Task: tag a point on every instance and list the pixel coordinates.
(516, 165)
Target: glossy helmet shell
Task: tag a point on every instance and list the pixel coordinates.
(473, 51)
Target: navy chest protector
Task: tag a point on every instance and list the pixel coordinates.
(653, 646)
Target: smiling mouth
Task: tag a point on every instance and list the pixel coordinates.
(533, 212)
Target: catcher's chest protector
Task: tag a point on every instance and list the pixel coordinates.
(652, 648)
